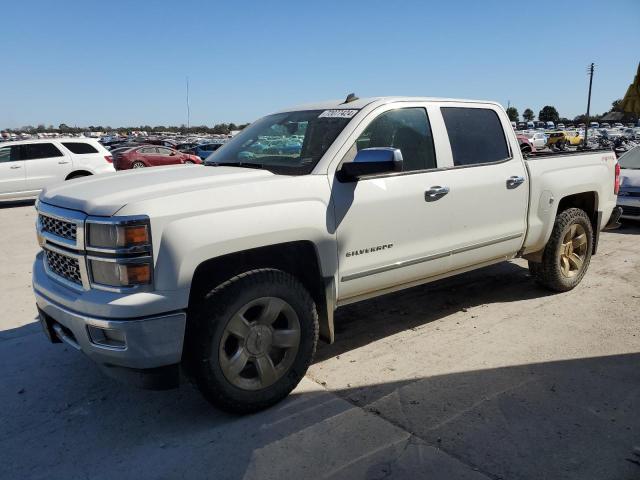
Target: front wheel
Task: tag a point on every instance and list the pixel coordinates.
(566, 257)
(251, 340)
(138, 164)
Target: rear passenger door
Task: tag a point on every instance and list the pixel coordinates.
(488, 186)
(12, 171)
(45, 164)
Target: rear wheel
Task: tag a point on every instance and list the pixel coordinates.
(138, 164)
(566, 257)
(251, 340)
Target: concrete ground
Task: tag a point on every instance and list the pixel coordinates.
(483, 376)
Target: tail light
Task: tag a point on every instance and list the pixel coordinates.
(616, 184)
(108, 158)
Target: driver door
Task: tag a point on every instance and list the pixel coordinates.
(389, 231)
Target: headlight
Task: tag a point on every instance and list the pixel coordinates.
(116, 274)
(117, 236)
(119, 253)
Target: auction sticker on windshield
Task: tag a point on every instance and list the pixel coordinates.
(338, 113)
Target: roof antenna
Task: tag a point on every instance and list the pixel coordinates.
(351, 98)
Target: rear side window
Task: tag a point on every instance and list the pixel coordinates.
(10, 153)
(407, 129)
(148, 151)
(35, 151)
(475, 134)
(79, 147)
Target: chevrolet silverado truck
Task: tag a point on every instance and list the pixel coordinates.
(228, 273)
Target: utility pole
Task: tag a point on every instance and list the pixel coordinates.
(586, 125)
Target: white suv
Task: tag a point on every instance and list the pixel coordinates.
(27, 166)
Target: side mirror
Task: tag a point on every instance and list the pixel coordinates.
(172, 154)
(371, 161)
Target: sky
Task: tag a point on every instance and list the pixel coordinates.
(123, 63)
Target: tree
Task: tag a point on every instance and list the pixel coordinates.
(63, 127)
(528, 115)
(512, 112)
(548, 114)
(616, 105)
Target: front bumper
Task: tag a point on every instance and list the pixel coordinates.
(147, 350)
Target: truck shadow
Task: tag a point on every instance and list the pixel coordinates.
(573, 419)
(365, 322)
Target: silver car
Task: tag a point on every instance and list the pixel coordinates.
(629, 194)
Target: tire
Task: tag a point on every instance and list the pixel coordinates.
(246, 372)
(563, 267)
(188, 162)
(138, 164)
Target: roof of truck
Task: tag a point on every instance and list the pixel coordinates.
(363, 102)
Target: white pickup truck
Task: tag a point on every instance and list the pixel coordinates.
(230, 272)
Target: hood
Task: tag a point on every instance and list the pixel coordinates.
(104, 195)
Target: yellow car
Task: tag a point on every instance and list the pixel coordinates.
(556, 140)
(574, 138)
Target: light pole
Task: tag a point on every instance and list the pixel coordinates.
(586, 125)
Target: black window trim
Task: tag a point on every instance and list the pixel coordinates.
(396, 174)
(484, 164)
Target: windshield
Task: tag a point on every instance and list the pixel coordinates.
(631, 159)
(289, 143)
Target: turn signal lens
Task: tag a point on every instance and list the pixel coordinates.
(137, 274)
(136, 235)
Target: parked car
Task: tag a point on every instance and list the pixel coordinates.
(526, 146)
(629, 194)
(152, 156)
(550, 125)
(573, 137)
(560, 126)
(232, 271)
(557, 140)
(27, 166)
(203, 150)
(538, 139)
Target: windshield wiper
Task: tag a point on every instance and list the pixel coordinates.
(236, 164)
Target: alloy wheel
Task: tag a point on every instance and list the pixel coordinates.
(259, 343)
(573, 250)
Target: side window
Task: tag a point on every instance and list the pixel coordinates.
(35, 151)
(475, 134)
(163, 151)
(147, 151)
(407, 129)
(79, 148)
(10, 154)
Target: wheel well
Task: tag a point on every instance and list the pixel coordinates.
(587, 201)
(78, 173)
(298, 258)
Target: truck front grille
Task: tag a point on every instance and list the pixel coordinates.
(60, 228)
(64, 266)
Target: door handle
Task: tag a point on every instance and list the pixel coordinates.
(13, 167)
(62, 162)
(435, 193)
(514, 182)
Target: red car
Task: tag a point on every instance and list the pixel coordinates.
(525, 144)
(151, 156)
